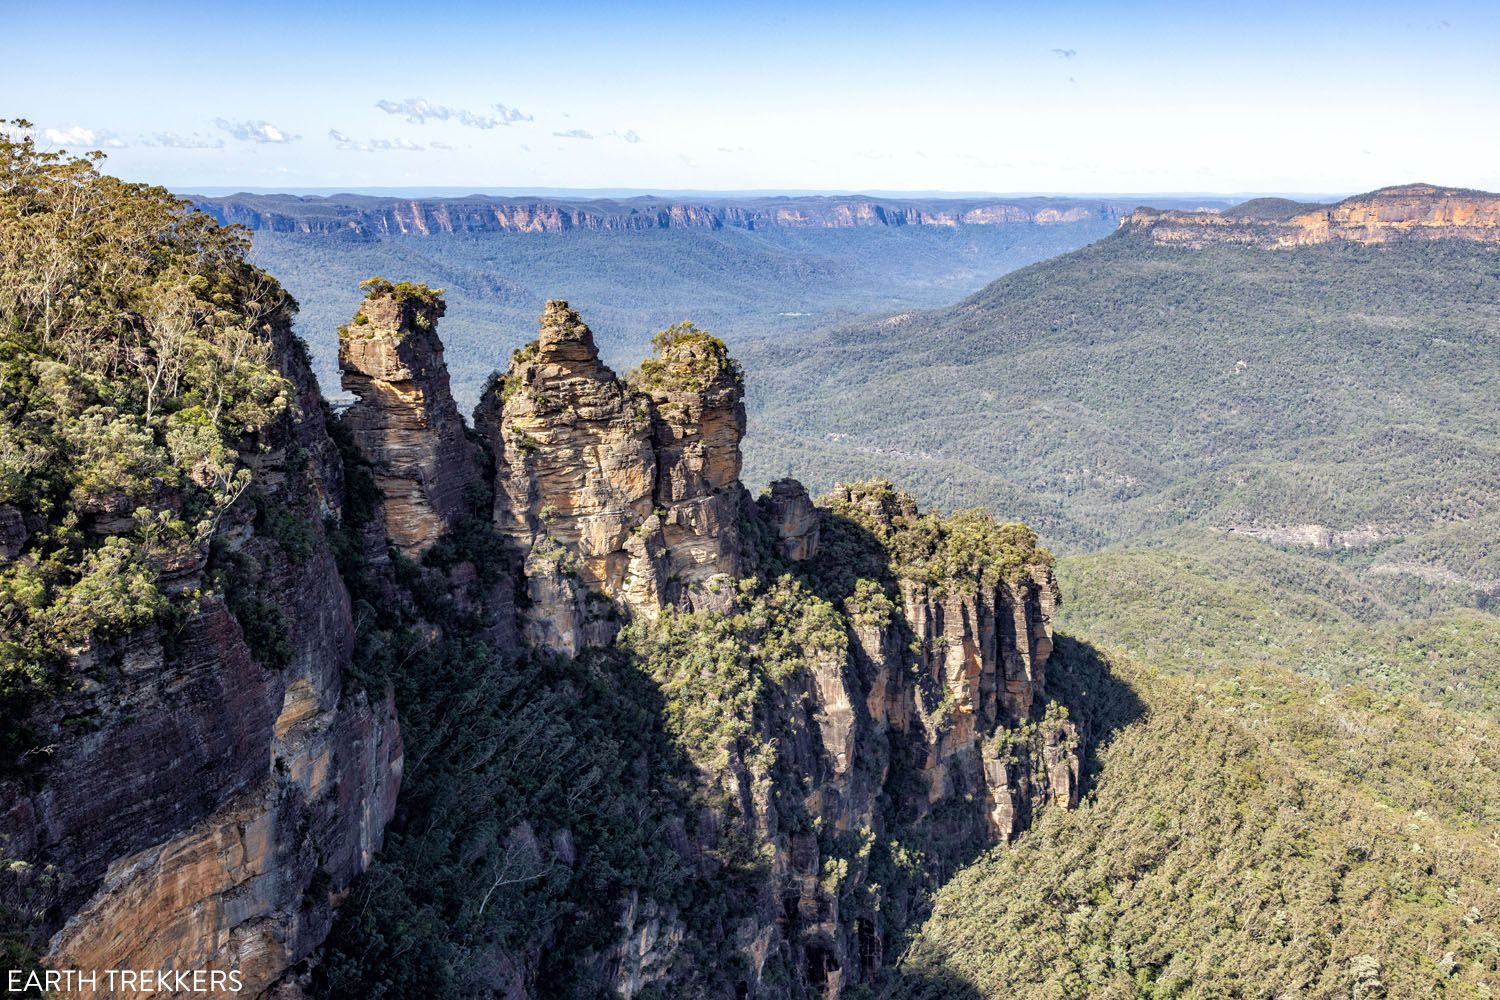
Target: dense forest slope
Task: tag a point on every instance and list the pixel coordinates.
(1329, 395)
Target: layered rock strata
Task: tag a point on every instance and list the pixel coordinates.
(622, 496)
(1412, 212)
(206, 810)
(405, 421)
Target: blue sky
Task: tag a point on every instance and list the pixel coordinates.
(1067, 97)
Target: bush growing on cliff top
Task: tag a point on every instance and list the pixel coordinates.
(686, 359)
(402, 291)
(962, 551)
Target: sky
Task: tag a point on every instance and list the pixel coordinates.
(1066, 97)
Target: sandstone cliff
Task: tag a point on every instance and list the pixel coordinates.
(1393, 214)
(923, 717)
(405, 420)
(205, 799)
(623, 496)
(379, 217)
(872, 711)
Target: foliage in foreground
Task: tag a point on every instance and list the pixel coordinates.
(135, 357)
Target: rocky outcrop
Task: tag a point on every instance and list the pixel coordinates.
(977, 644)
(13, 533)
(794, 519)
(1413, 212)
(698, 420)
(622, 496)
(405, 421)
(926, 725)
(1313, 536)
(366, 217)
(204, 807)
(575, 485)
(926, 720)
(212, 794)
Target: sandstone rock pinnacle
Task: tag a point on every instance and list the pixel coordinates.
(623, 495)
(405, 420)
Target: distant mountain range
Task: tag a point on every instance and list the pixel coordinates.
(740, 266)
(368, 216)
(1407, 212)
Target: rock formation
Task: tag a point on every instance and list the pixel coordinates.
(927, 723)
(794, 518)
(698, 420)
(212, 795)
(376, 217)
(405, 420)
(623, 496)
(1393, 214)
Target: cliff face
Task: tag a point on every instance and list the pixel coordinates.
(371, 217)
(1409, 212)
(206, 809)
(212, 794)
(405, 421)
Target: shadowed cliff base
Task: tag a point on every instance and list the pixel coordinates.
(1081, 678)
(1105, 703)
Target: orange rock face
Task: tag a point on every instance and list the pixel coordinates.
(405, 421)
(1410, 212)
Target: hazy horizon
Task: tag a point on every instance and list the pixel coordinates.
(491, 191)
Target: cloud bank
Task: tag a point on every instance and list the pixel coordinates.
(255, 131)
(419, 111)
(80, 136)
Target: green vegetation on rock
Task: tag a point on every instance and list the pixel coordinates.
(686, 359)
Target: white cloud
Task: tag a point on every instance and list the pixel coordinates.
(342, 141)
(628, 135)
(80, 136)
(175, 140)
(509, 114)
(418, 111)
(255, 131)
(574, 133)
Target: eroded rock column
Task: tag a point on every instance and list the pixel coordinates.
(405, 421)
